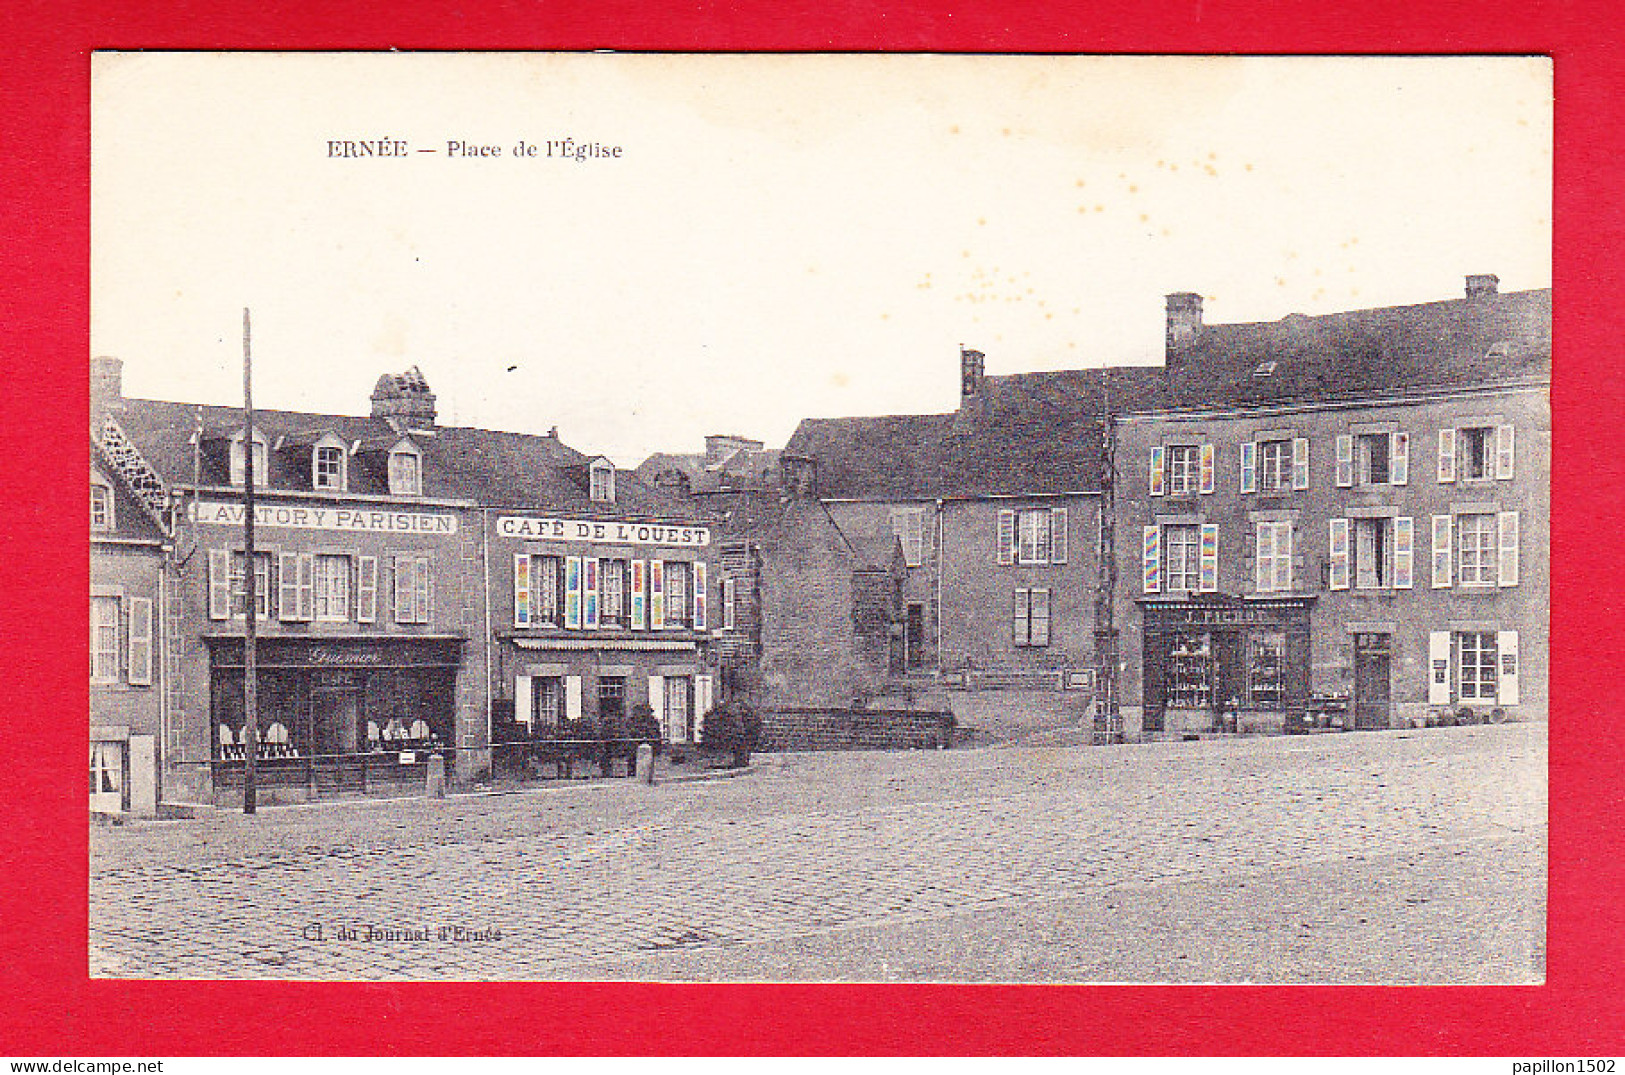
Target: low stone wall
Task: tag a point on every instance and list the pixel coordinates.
(854, 729)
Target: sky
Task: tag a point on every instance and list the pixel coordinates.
(778, 237)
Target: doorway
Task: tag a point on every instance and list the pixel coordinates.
(334, 721)
(1373, 688)
(914, 637)
(107, 777)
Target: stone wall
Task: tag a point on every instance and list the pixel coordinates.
(854, 729)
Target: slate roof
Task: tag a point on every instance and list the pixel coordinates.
(490, 468)
(742, 468)
(1360, 354)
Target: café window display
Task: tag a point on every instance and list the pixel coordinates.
(1190, 671)
(1223, 657)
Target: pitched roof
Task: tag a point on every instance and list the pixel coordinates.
(459, 463)
(1360, 354)
(740, 468)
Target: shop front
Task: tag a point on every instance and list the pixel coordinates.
(340, 714)
(1223, 664)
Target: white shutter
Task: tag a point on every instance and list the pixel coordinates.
(1404, 552)
(657, 702)
(572, 697)
(1503, 457)
(1207, 580)
(590, 569)
(1447, 457)
(1158, 487)
(1442, 570)
(572, 592)
(1264, 561)
(402, 578)
(640, 595)
(366, 609)
(702, 704)
(1205, 468)
(307, 588)
(219, 584)
(287, 590)
(1007, 536)
(1399, 459)
(699, 599)
(1249, 466)
(1300, 462)
(1057, 536)
(1151, 560)
(522, 700)
(1507, 573)
(657, 595)
(1506, 651)
(1439, 668)
(521, 590)
(1283, 557)
(1345, 461)
(140, 657)
(1338, 573)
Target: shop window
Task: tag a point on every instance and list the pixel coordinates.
(1477, 675)
(101, 506)
(262, 585)
(1190, 671)
(612, 593)
(1030, 621)
(1180, 558)
(104, 620)
(1266, 669)
(328, 466)
(332, 581)
(1184, 475)
(909, 526)
(1274, 466)
(1476, 537)
(405, 472)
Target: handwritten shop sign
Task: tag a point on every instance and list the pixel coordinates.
(295, 517)
(518, 526)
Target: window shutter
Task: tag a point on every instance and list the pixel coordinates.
(1283, 557)
(1345, 461)
(589, 592)
(140, 657)
(1506, 651)
(1157, 454)
(1264, 564)
(1503, 462)
(403, 590)
(1208, 563)
(1404, 552)
(699, 597)
(1441, 553)
(1399, 459)
(1249, 466)
(728, 613)
(423, 591)
(1338, 574)
(572, 697)
(1020, 630)
(287, 590)
(1007, 537)
(307, 588)
(1439, 667)
(1300, 463)
(522, 700)
(366, 610)
(1151, 559)
(572, 592)
(219, 584)
(521, 590)
(1447, 459)
(1040, 617)
(657, 595)
(657, 702)
(702, 704)
(638, 588)
(1206, 468)
(1057, 536)
(1508, 564)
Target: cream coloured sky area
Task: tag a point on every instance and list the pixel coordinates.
(782, 236)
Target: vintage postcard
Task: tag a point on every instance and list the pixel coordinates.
(844, 518)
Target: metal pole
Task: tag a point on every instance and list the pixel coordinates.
(251, 728)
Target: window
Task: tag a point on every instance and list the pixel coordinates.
(101, 506)
(104, 617)
(1183, 470)
(1190, 672)
(1266, 669)
(1033, 533)
(1477, 537)
(1180, 558)
(1373, 542)
(1274, 567)
(538, 591)
(405, 472)
(611, 698)
(1371, 456)
(328, 467)
(1274, 465)
(262, 585)
(679, 711)
(909, 526)
(414, 589)
(1476, 666)
(601, 481)
(1478, 453)
(1030, 621)
(332, 588)
(260, 467)
(548, 701)
(612, 593)
(677, 589)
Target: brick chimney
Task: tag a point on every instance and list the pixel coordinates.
(106, 385)
(1483, 285)
(800, 475)
(1184, 326)
(404, 400)
(972, 371)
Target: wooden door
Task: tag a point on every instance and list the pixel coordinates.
(1373, 686)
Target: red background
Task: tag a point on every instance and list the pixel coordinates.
(51, 1007)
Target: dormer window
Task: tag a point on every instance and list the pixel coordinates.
(101, 506)
(405, 471)
(261, 467)
(603, 481)
(328, 466)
